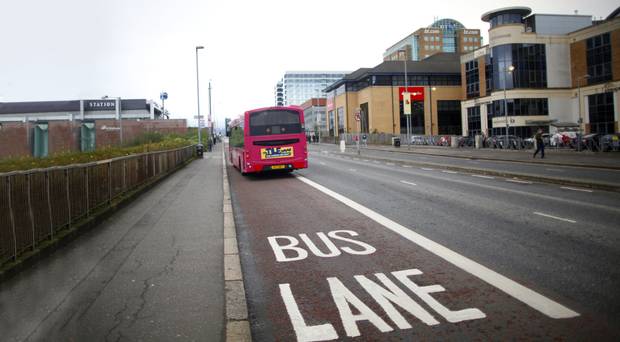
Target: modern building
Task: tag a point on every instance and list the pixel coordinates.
(279, 94)
(44, 128)
(314, 116)
(299, 86)
(556, 72)
(377, 94)
(445, 35)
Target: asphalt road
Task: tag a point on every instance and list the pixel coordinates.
(581, 174)
(152, 272)
(376, 250)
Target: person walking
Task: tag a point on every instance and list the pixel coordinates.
(540, 144)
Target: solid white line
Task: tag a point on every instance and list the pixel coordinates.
(450, 172)
(409, 183)
(555, 217)
(518, 181)
(427, 169)
(512, 288)
(485, 177)
(576, 189)
(407, 166)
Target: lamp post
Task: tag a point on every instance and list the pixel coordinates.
(406, 92)
(430, 94)
(317, 116)
(580, 120)
(508, 70)
(198, 95)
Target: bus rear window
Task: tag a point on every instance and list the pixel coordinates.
(270, 122)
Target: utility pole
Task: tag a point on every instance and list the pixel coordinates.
(210, 122)
(198, 96)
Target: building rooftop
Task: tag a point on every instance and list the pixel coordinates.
(521, 10)
(64, 106)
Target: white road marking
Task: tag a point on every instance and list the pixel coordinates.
(356, 159)
(531, 298)
(409, 183)
(353, 170)
(576, 189)
(390, 164)
(366, 160)
(556, 170)
(407, 166)
(450, 172)
(555, 217)
(322, 163)
(427, 169)
(518, 181)
(485, 177)
(376, 161)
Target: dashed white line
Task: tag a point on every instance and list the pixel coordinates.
(408, 183)
(576, 189)
(322, 163)
(390, 164)
(556, 170)
(555, 217)
(450, 172)
(353, 170)
(366, 160)
(407, 166)
(427, 169)
(518, 181)
(376, 161)
(356, 159)
(531, 298)
(485, 177)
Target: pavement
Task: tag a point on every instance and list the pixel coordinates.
(586, 169)
(154, 271)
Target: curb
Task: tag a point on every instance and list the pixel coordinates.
(66, 236)
(237, 323)
(552, 180)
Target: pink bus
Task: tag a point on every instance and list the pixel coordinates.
(269, 139)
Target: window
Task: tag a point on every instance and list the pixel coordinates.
(40, 141)
(504, 19)
(87, 137)
(529, 62)
(474, 126)
(236, 136)
(472, 79)
(601, 108)
(275, 122)
(598, 54)
(449, 117)
(521, 107)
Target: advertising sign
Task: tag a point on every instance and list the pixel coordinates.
(406, 103)
(417, 93)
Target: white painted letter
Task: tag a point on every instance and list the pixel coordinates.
(393, 294)
(368, 249)
(278, 250)
(323, 332)
(334, 251)
(423, 293)
(343, 297)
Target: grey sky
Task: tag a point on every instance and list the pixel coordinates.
(69, 49)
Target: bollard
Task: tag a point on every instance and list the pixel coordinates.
(342, 146)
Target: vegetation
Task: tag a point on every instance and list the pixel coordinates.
(148, 142)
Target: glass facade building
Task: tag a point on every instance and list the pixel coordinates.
(299, 86)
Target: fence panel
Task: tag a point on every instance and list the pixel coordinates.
(39, 204)
(59, 199)
(7, 239)
(21, 211)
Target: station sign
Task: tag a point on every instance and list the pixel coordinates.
(99, 105)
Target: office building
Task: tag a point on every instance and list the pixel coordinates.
(445, 35)
(555, 72)
(299, 86)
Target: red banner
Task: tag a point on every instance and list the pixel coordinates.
(417, 93)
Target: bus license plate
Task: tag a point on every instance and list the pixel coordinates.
(278, 167)
(276, 152)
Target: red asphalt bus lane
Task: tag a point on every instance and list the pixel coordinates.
(327, 272)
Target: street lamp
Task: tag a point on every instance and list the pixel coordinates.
(508, 70)
(580, 120)
(198, 95)
(406, 92)
(430, 94)
(317, 116)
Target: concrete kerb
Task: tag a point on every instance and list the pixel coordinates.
(237, 323)
(521, 176)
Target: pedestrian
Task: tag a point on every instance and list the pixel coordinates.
(540, 144)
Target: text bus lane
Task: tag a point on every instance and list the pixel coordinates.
(360, 280)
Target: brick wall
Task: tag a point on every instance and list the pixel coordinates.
(64, 136)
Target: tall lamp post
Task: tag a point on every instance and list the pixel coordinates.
(198, 95)
(580, 120)
(508, 71)
(430, 94)
(406, 93)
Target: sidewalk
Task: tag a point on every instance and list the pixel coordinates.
(605, 160)
(153, 271)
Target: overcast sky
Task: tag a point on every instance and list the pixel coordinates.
(75, 49)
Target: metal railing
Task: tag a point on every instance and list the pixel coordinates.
(35, 205)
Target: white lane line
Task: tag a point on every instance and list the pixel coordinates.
(485, 177)
(376, 161)
(427, 169)
(576, 189)
(450, 172)
(533, 299)
(322, 163)
(366, 160)
(556, 170)
(555, 217)
(409, 183)
(390, 164)
(356, 159)
(353, 170)
(407, 166)
(518, 181)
